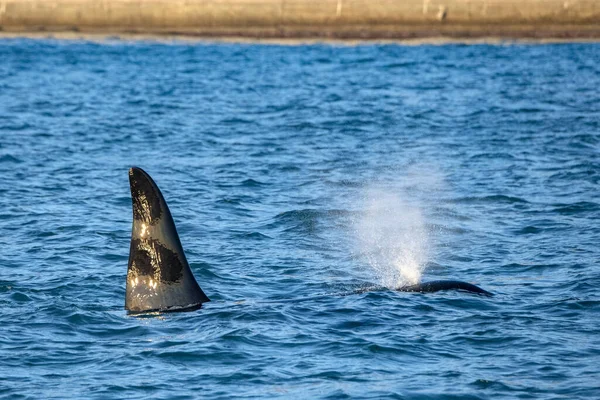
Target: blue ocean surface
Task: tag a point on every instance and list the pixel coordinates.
(306, 182)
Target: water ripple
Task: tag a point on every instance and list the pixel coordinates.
(274, 160)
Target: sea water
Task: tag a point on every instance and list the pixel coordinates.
(306, 182)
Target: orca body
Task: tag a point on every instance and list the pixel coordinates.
(436, 286)
(158, 275)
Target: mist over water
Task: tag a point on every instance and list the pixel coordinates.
(392, 237)
(391, 230)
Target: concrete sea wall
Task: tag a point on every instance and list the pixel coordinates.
(334, 19)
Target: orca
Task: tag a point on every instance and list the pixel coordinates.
(159, 277)
(436, 286)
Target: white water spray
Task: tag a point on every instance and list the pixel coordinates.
(393, 238)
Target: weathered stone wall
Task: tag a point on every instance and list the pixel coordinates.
(308, 18)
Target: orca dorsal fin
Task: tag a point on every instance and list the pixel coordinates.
(158, 275)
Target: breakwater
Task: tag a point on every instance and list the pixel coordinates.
(335, 19)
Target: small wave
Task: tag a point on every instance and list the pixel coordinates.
(499, 198)
(490, 384)
(19, 127)
(576, 208)
(20, 297)
(400, 65)
(229, 200)
(235, 121)
(252, 236)
(529, 230)
(252, 183)
(488, 156)
(308, 215)
(7, 158)
(345, 183)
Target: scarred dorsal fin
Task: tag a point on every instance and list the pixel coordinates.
(158, 275)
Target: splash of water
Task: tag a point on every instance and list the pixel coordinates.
(392, 236)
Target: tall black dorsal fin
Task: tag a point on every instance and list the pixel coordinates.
(158, 275)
